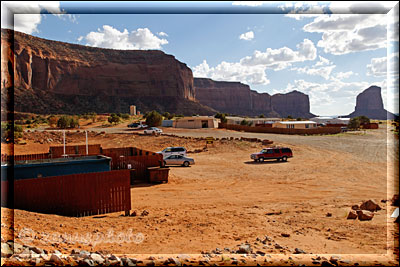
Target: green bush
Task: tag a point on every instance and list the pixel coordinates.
(246, 123)
(167, 115)
(154, 118)
(354, 123)
(125, 116)
(7, 131)
(221, 116)
(261, 116)
(67, 122)
(114, 118)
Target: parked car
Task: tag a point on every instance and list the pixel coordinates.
(143, 126)
(178, 160)
(173, 151)
(278, 153)
(153, 130)
(134, 125)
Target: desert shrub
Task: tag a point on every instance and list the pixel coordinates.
(167, 115)
(299, 119)
(354, 123)
(363, 119)
(28, 122)
(261, 116)
(125, 116)
(52, 121)
(221, 116)
(154, 118)
(246, 123)
(63, 122)
(114, 118)
(7, 131)
(67, 122)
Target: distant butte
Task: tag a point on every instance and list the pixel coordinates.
(369, 103)
(238, 98)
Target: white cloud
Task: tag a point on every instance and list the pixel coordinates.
(343, 34)
(322, 62)
(163, 34)
(109, 37)
(322, 68)
(378, 66)
(252, 69)
(325, 97)
(343, 75)
(277, 57)
(324, 72)
(226, 71)
(25, 15)
(247, 36)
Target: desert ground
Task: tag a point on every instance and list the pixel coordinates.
(226, 200)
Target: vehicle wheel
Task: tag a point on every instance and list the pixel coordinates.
(284, 158)
(186, 164)
(278, 159)
(255, 160)
(165, 164)
(261, 159)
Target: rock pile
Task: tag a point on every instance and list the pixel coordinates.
(364, 212)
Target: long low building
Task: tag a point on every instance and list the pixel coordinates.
(330, 120)
(295, 124)
(196, 122)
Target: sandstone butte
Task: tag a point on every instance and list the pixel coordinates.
(369, 103)
(238, 98)
(58, 77)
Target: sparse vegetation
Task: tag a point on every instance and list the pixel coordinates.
(246, 123)
(7, 132)
(114, 118)
(356, 122)
(154, 119)
(67, 122)
(222, 117)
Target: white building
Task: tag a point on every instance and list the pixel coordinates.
(295, 124)
(330, 120)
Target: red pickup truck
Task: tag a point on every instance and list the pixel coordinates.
(278, 153)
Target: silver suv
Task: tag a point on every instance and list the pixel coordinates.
(173, 151)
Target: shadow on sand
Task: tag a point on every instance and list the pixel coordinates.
(252, 162)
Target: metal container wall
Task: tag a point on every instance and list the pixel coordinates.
(75, 195)
(55, 167)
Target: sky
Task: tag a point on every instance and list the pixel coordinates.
(331, 51)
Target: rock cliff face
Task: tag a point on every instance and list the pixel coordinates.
(369, 103)
(232, 97)
(295, 104)
(57, 77)
(237, 98)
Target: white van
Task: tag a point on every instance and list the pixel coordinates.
(173, 151)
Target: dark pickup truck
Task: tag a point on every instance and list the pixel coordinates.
(278, 153)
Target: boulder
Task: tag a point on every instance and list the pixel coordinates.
(365, 215)
(244, 249)
(370, 205)
(352, 215)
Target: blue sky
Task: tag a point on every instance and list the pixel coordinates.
(330, 57)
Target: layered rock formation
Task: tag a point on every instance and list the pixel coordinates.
(295, 104)
(237, 98)
(369, 103)
(57, 77)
